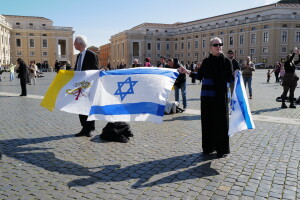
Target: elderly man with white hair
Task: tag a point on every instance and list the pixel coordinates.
(86, 60)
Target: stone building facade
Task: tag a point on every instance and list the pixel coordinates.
(5, 30)
(104, 55)
(267, 34)
(35, 38)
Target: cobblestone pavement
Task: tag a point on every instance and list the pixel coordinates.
(43, 160)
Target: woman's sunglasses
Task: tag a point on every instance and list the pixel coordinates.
(219, 44)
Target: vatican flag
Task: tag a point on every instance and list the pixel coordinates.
(136, 94)
(72, 91)
(240, 114)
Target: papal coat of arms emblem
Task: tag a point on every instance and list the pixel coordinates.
(79, 90)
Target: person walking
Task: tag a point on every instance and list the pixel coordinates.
(23, 75)
(215, 73)
(290, 78)
(247, 69)
(86, 60)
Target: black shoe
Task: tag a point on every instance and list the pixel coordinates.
(292, 106)
(23, 95)
(84, 133)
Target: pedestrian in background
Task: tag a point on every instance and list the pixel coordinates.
(180, 82)
(12, 72)
(32, 72)
(235, 66)
(268, 76)
(290, 78)
(23, 75)
(247, 70)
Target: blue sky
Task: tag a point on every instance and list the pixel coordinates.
(99, 19)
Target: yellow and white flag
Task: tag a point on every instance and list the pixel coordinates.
(72, 91)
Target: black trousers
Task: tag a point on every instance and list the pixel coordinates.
(23, 87)
(86, 125)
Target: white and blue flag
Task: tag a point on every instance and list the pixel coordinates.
(240, 117)
(137, 94)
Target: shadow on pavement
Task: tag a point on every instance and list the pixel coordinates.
(186, 117)
(168, 170)
(145, 171)
(266, 110)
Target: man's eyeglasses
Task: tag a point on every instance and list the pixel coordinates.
(219, 44)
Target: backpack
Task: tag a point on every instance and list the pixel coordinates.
(117, 132)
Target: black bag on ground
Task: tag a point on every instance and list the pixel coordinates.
(117, 132)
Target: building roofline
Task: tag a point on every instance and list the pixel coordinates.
(25, 16)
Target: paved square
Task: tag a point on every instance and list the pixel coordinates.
(43, 160)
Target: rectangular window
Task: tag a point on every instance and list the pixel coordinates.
(31, 43)
(19, 53)
(182, 45)
(149, 55)
(196, 44)
(158, 55)
(297, 36)
(31, 34)
(30, 25)
(167, 46)
(231, 40)
(283, 36)
(158, 46)
(32, 53)
(283, 49)
(45, 43)
(148, 46)
(45, 53)
(135, 49)
(252, 51)
(266, 37)
(265, 50)
(189, 45)
(18, 42)
(176, 46)
(241, 39)
(253, 38)
(203, 43)
(241, 52)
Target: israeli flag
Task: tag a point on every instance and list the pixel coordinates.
(136, 94)
(240, 117)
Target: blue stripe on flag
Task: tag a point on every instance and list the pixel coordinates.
(167, 73)
(243, 105)
(130, 108)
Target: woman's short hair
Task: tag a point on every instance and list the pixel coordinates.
(213, 39)
(135, 60)
(81, 39)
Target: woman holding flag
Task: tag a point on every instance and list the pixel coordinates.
(215, 73)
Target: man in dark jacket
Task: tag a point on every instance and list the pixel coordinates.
(86, 60)
(235, 66)
(180, 82)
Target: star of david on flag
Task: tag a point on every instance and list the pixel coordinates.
(240, 116)
(130, 89)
